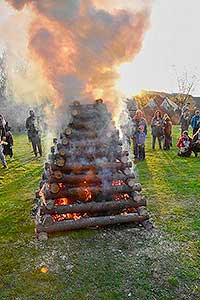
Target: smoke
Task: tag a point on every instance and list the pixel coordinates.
(79, 44)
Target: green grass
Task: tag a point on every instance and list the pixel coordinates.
(122, 262)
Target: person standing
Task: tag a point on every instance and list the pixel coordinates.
(140, 143)
(34, 133)
(196, 143)
(2, 126)
(195, 122)
(167, 126)
(185, 121)
(157, 129)
(2, 157)
(8, 147)
(137, 121)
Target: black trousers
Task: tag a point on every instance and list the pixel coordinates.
(36, 144)
(8, 151)
(154, 141)
(195, 148)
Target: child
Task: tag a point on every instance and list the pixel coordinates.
(2, 157)
(7, 149)
(140, 138)
(184, 145)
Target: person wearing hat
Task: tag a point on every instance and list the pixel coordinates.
(195, 122)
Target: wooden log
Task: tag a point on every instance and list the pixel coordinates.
(80, 193)
(65, 141)
(59, 161)
(47, 220)
(92, 207)
(115, 166)
(80, 134)
(96, 152)
(142, 211)
(98, 142)
(87, 124)
(67, 225)
(60, 177)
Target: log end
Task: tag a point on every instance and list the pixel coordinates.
(42, 236)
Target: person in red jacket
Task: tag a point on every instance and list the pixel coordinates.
(184, 144)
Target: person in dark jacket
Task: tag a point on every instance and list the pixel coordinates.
(184, 145)
(185, 121)
(167, 126)
(8, 147)
(196, 143)
(34, 133)
(195, 122)
(157, 129)
(2, 126)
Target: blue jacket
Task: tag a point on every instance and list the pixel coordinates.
(195, 122)
(140, 138)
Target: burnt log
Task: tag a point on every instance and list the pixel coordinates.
(81, 193)
(98, 143)
(67, 225)
(115, 166)
(60, 177)
(95, 152)
(92, 207)
(80, 134)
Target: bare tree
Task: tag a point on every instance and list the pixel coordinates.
(186, 86)
(3, 74)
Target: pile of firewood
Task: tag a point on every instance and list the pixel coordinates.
(88, 180)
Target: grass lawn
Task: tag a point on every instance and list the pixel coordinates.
(122, 262)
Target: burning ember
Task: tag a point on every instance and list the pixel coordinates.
(118, 182)
(62, 201)
(66, 217)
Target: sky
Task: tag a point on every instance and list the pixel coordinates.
(171, 43)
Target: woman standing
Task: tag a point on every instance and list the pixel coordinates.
(157, 129)
(167, 126)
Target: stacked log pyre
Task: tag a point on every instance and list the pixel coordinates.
(88, 181)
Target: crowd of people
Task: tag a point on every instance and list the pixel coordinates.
(161, 131)
(6, 138)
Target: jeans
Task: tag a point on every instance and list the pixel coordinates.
(2, 158)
